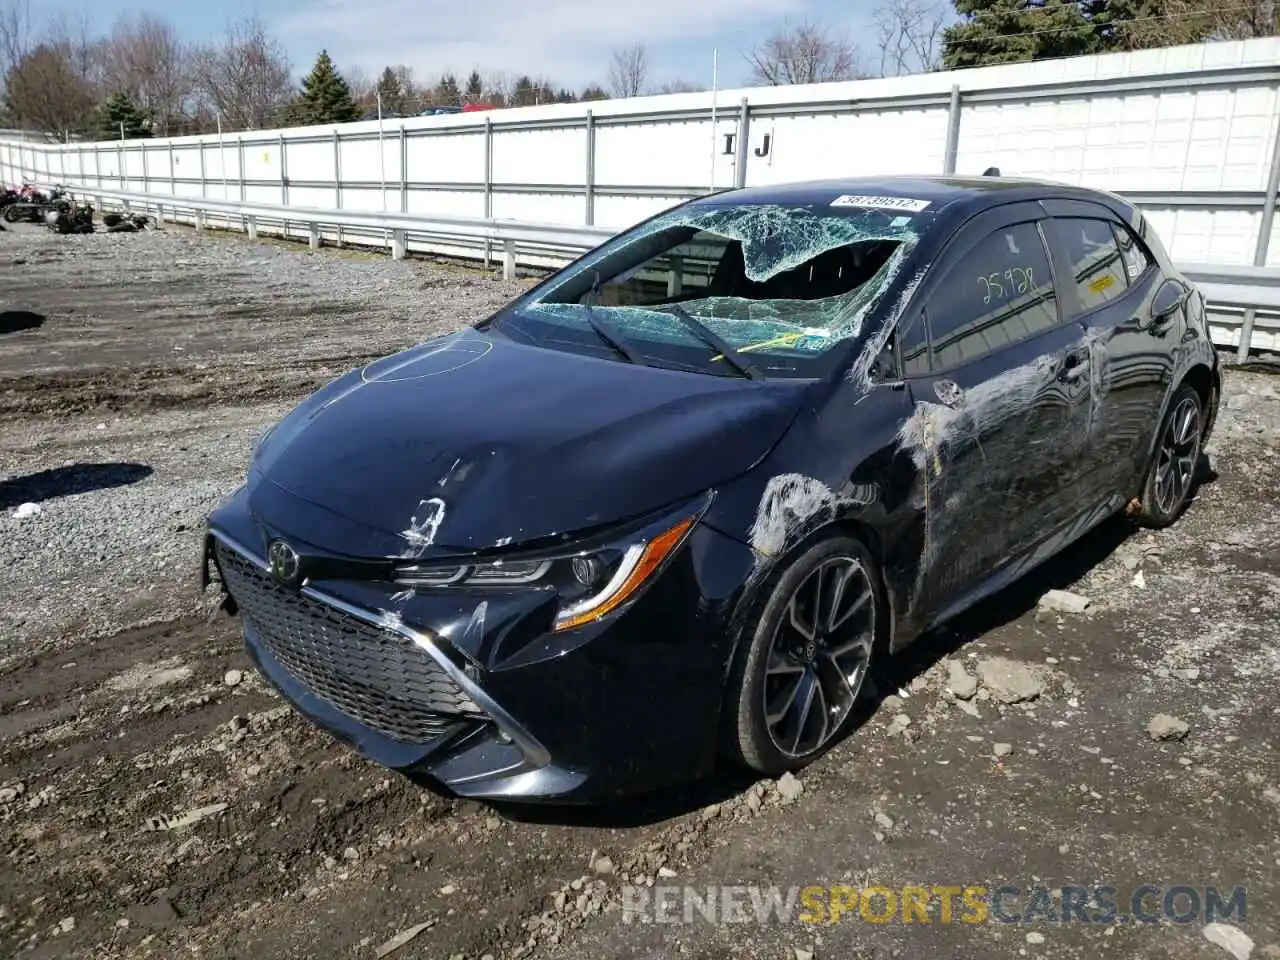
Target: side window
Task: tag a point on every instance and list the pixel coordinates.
(1100, 271)
(1135, 257)
(1000, 293)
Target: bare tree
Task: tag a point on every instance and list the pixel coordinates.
(45, 91)
(629, 70)
(245, 79)
(910, 35)
(679, 86)
(804, 54)
(16, 28)
(144, 58)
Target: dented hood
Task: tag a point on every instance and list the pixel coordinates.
(472, 441)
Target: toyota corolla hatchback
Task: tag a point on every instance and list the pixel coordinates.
(672, 503)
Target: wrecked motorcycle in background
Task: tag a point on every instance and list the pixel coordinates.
(32, 205)
(65, 215)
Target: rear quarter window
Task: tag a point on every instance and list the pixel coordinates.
(1098, 268)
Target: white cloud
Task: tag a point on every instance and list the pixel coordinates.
(569, 41)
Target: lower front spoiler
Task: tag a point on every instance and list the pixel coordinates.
(477, 760)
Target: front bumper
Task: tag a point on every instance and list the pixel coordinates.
(621, 706)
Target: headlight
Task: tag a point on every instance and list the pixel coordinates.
(590, 584)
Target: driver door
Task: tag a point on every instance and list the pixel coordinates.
(1000, 404)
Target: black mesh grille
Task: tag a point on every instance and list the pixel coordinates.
(373, 675)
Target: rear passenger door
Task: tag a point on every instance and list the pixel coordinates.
(999, 414)
(1109, 279)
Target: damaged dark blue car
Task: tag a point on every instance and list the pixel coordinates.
(671, 504)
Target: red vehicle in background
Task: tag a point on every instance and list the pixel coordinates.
(473, 107)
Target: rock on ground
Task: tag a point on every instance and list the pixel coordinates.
(1009, 681)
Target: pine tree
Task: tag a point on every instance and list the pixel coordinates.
(1011, 31)
(475, 87)
(447, 92)
(120, 113)
(325, 96)
(390, 92)
(594, 92)
(525, 92)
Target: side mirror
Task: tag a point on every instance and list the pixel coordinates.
(1170, 296)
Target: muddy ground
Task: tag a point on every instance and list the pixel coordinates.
(157, 800)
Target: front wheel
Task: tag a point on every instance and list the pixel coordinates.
(1171, 478)
(797, 678)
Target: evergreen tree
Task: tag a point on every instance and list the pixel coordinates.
(390, 92)
(447, 92)
(594, 92)
(121, 113)
(325, 96)
(566, 96)
(1011, 31)
(475, 87)
(525, 92)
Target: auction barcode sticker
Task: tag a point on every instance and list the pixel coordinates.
(885, 203)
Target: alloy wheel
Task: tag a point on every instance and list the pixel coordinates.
(1179, 451)
(819, 655)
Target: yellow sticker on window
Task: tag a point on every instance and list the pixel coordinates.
(1102, 283)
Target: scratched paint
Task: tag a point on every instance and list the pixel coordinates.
(793, 504)
(423, 526)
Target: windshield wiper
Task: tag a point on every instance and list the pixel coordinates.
(708, 336)
(605, 331)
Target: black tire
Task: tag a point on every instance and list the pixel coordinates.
(780, 649)
(1171, 478)
(11, 214)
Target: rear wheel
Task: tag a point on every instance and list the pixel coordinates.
(795, 681)
(1171, 478)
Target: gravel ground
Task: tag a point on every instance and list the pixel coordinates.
(156, 799)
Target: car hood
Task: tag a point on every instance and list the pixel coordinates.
(472, 441)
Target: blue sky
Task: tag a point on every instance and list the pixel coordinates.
(569, 41)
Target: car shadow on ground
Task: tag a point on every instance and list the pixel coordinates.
(1006, 606)
(13, 321)
(68, 481)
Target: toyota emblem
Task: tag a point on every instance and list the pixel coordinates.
(284, 561)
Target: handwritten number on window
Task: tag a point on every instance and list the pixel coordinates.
(1020, 280)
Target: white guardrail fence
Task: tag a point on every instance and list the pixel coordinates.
(1244, 301)
(1189, 134)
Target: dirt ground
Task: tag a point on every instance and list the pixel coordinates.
(156, 799)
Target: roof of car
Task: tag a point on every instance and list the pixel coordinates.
(939, 191)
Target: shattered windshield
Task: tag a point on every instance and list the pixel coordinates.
(779, 284)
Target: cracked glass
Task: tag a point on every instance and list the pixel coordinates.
(781, 284)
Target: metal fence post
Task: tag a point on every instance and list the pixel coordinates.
(404, 170)
(488, 186)
(204, 192)
(146, 181)
(1264, 238)
(121, 157)
(284, 172)
(240, 167)
(744, 132)
(337, 180)
(953, 132)
(591, 169)
(173, 177)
